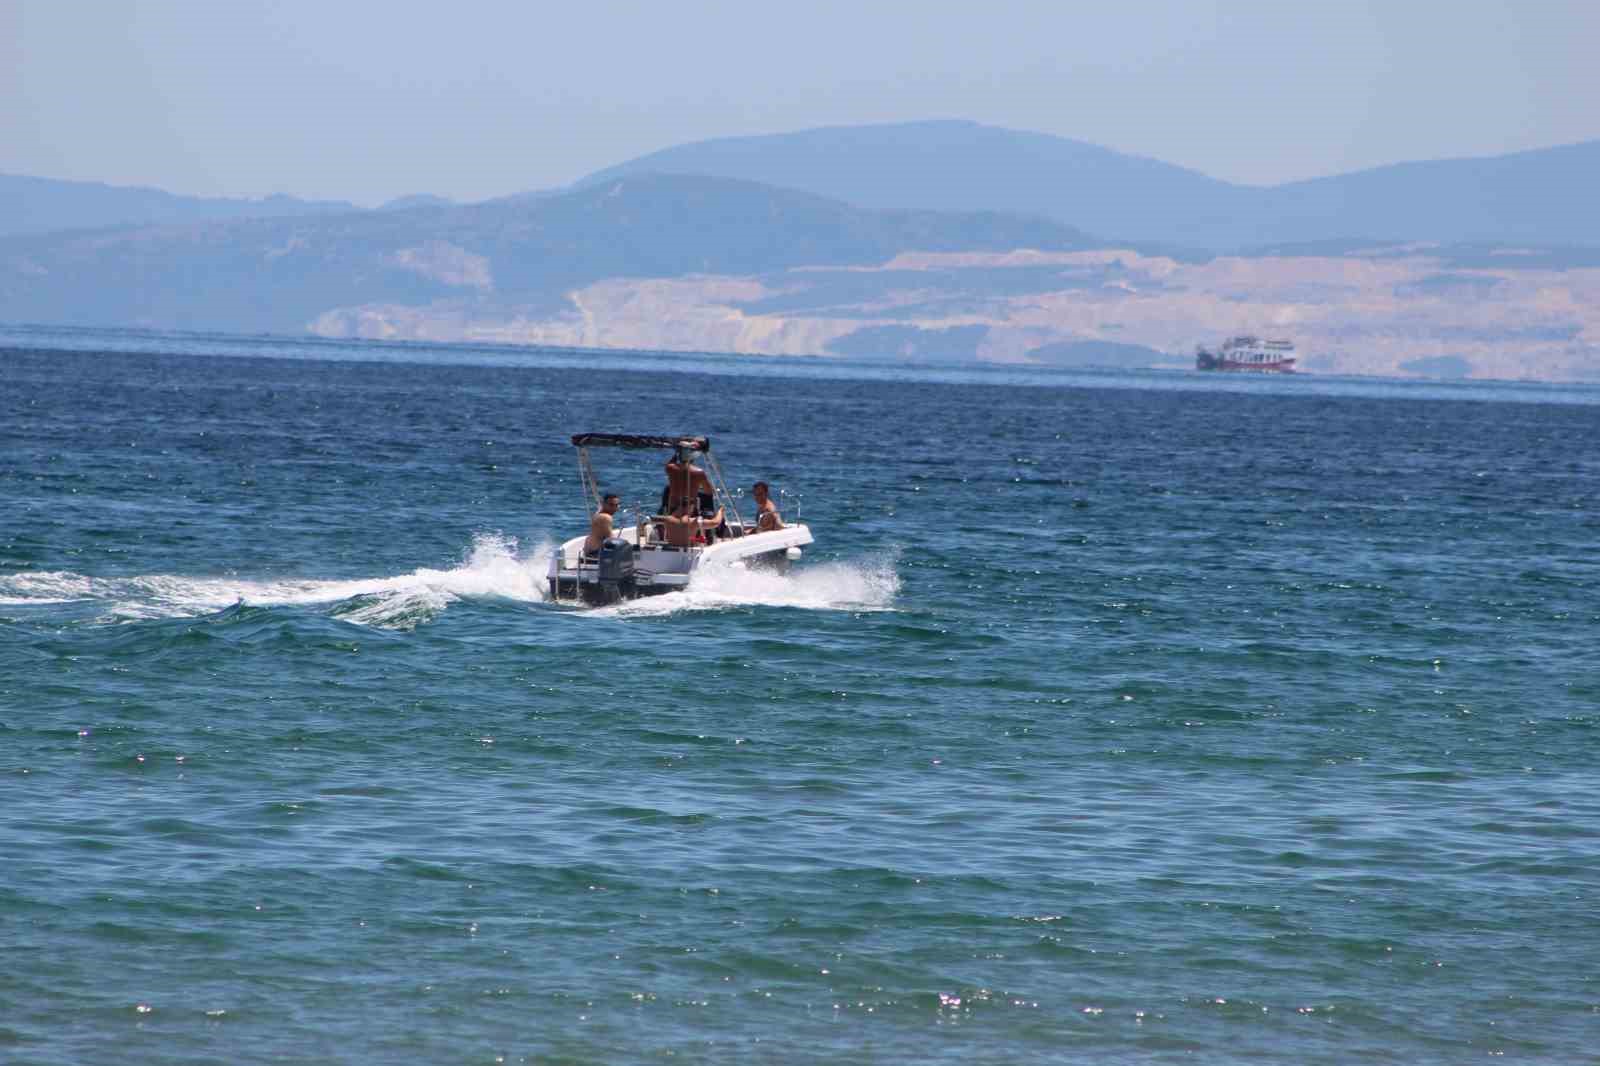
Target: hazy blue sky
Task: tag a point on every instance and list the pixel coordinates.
(477, 98)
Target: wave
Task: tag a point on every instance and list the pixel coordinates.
(494, 568)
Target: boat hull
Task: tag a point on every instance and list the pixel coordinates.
(1285, 366)
(659, 569)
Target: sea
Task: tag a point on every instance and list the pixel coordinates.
(1125, 717)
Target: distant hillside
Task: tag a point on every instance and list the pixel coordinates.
(414, 201)
(523, 255)
(692, 263)
(41, 205)
(964, 166)
(1539, 196)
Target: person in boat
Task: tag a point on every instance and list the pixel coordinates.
(681, 530)
(767, 517)
(687, 483)
(601, 525)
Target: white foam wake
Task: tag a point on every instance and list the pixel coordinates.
(494, 568)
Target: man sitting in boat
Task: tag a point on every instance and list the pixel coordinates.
(686, 484)
(600, 526)
(767, 517)
(687, 528)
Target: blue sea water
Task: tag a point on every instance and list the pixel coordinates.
(1112, 717)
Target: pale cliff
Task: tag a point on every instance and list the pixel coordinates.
(1378, 314)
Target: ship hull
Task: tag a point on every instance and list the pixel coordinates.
(1284, 366)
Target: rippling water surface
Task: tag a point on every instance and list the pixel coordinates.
(1112, 717)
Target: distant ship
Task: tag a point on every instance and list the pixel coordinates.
(1247, 353)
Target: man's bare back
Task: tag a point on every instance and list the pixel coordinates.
(679, 529)
(686, 483)
(601, 525)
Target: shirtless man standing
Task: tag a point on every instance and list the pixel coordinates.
(600, 526)
(767, 517)
(679, 529)
(686, 482)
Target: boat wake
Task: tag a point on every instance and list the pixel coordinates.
(495, 568)
(492, 569)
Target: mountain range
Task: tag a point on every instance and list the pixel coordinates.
(522, 254)
(1543, 196)
(43, 205)
(939, 240)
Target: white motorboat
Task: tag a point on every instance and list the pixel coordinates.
(638, 560)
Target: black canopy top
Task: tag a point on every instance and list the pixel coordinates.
(633, 440)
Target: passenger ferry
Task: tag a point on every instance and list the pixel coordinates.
(1247, 353)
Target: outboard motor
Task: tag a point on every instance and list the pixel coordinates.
(615, 577)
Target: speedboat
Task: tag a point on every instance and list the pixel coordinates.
(637, 560)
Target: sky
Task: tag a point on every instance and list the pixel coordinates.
(470, 99)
